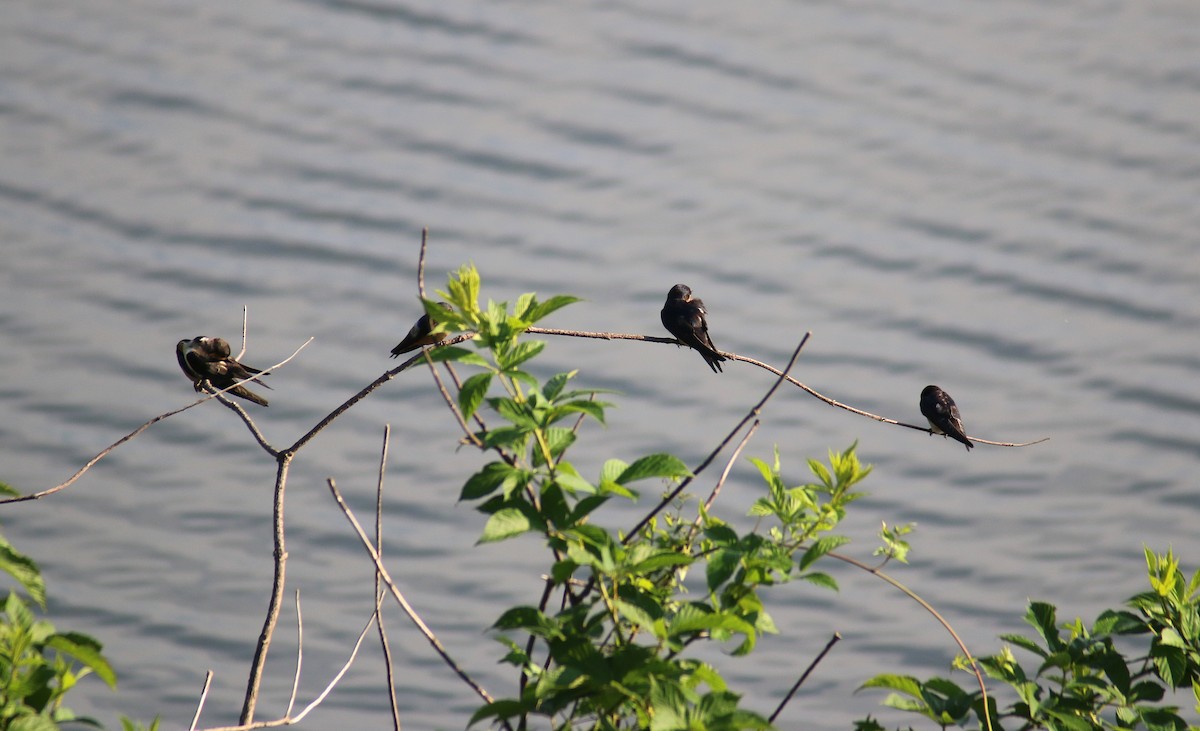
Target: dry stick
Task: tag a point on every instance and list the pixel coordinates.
(712, 497)
(245, 339)
(399, 597)
(421, 263)
(754, 413)
(299, 657)
(876, 571)
(134, 433)
(383, 639)
(450, 402)
(273, 606)
(772, 369)
(208, 676)
(808, 671)
(387, 376)
(289, 720)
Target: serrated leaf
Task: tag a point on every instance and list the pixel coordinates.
(556, 302)
(458, 355)
(520, 353)
(594, 409)
(499, 709)
(635, 615)
(529, 619)
(492, 477)
(24, 570)
(86, 651)
(905, 684)
(557, 382)
(612, 469)
(655, 465)
(472, 393)
(721, 565)
(505, 523)
(820, 579)
(819, 548)
(661, 560)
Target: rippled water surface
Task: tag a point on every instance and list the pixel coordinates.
(999, 198)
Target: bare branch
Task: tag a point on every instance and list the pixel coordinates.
(280, 555)
(712, 497)
(450, 402)
(299, 656)
(245, 339)
(208, 676)
(399, 597)
(754, 413)
(421, 263)
(366, 391)
(383, 638)
(772, 369)
(804, 676)
(875, 571)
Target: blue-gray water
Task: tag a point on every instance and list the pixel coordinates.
(1000, 198)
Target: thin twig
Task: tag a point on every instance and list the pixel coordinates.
(772, 369)
(289, 720)
(451, 403)
(299, 657)
(245, 331)
(399, 597)
(712, 497)
(246, 419)
(754, 413)
(134, 433)
(808, 671)
(383, 639)
(254, 682)
(208, 676)
(874, 571)
(387, 376)
(421, 263)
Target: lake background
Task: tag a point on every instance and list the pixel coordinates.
(998, 198)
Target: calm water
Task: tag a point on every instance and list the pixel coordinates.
(999, 198)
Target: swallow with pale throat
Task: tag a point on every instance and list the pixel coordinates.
(942, 413)
(208, 359)
(683, 317)
(421, 334)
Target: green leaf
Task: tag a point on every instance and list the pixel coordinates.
(505, 523)
(500, 709)
(520, 353)
(86, 651)
(611, 470)
(905, 684)
(721, 565)
(662, 559)
(33, 723)
(24, 570)
(655, 465)
(493, 476)
(635, 615)
(458, 355)
(556, 302)
(555, 385)
(819, 548)
(1042, 617)
(820, 579)
(531, 620)
(8, 490)
(472, 393)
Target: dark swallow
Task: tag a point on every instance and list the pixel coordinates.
(683, 317)
(208, 359)
(420, 335)
(942, 413)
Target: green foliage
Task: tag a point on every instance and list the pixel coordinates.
(612, 650)
(1080, 678)
(38, 666)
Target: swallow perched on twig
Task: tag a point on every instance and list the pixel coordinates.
(208, 359)
(419, 333)
(683, 317)
(942, 413)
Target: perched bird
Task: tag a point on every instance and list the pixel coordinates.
(208, 359)
(942, 412)
(683, 317)
(419, 334)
